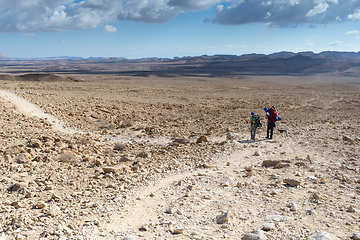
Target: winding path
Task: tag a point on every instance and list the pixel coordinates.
(31, 110)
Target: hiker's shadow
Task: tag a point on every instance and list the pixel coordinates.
(250, 141)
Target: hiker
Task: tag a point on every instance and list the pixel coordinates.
(254, 123)
(272, 116)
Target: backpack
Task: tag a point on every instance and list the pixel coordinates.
(256, 120)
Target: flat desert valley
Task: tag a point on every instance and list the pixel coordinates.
(134, 157)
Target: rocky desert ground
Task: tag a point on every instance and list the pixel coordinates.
(116, 157)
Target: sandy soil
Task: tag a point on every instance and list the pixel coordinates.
(123, 158)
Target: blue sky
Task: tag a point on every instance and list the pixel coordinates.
(170, 28)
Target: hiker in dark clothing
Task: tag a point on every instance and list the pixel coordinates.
(254, 123)
(272, 117)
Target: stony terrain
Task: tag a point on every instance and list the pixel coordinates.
(170, 158)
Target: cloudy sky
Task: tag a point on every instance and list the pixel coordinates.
(170, 28)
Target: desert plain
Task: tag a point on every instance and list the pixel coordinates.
(133, 157)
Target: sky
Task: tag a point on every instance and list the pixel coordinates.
(175, 28)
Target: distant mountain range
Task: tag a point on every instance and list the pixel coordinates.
(281, 63)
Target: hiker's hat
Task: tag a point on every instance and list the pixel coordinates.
(252, 113)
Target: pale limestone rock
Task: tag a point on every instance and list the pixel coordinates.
(225, 217)
(292, 182)
(254, 235)
(35, 143)
(356, 235)
(323, 236)
(54, 211)
(130, 237)
(269, 226)
(293, 207)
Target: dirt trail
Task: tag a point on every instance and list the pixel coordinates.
(31, 110)
(207, 190)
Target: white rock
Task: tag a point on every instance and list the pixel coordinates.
(293, 207)
(323, 236)
(254, 235)
(269, 226)
(130, 237)
(356, 236)
(225, 217)
(54, 211)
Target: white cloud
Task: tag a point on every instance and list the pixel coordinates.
(109, 29)
(353, 32)
(318, 9)
(31, 16)
(193, 4)
(336, 43)
(355, 16)
(285, 13)
(309, 44)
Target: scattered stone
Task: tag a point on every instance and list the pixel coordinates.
(144, 228)
(356, 236)
(257, 153)
(56, 197)
(270, 163)
(254, 235)
(316, 196)
(293, 207)
(30, 195)
(54, 211)
(282, 165)
(142, 155)
(351, 209)
(35, 143)
(119, 147)
(347, 139)
(23, 158)
(269, 226)
(202, 139)
(292, 182)
(249, 168)
(178, 230)
(125, 159)
(98, 162)
(41, 205)
(323, 236)
(66, 157)
(110, 169)
(225, 217)
(18, 186)
(130, 238)
(311, 212)
(182, 141)
(17, 205)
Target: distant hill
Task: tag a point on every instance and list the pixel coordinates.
(280, 63)
(36, 77)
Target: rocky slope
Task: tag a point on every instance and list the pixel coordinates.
(170, 159)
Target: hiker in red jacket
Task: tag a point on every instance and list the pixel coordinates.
(272, 117)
